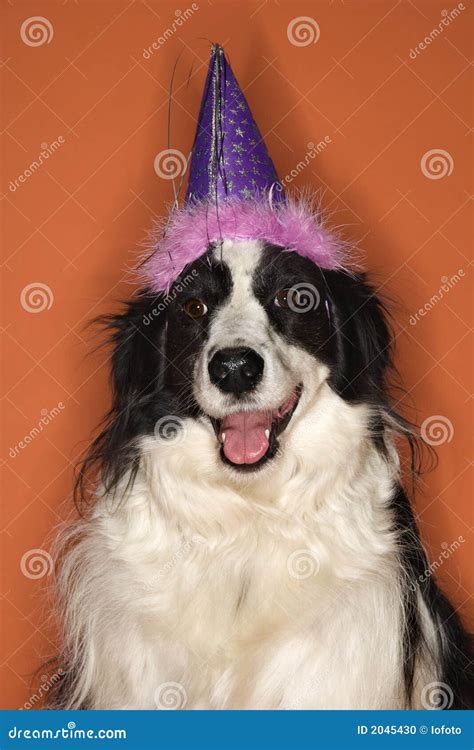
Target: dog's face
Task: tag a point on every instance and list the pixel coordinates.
(243, 343)
(249, 336)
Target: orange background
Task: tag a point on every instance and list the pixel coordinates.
(76, 223)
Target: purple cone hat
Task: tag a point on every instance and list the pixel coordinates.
(229, 157)
(233, 191)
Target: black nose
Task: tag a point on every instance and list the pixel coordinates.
(236, 370)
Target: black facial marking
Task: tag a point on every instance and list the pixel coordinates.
(209, 281)
(304, 322)
(337, 318)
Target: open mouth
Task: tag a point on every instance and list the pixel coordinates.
(250, 438)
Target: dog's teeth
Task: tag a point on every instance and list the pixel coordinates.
(267, 434)
(223, 437)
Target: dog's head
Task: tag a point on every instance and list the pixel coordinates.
(242, 344)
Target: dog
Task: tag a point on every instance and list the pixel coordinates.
(250, 544)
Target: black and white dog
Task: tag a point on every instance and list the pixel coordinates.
(250, 544)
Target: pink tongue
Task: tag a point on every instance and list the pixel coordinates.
(245, 441)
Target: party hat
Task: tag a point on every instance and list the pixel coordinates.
(229, 156)
(233, 191)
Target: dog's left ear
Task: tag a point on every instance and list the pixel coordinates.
(359, 326)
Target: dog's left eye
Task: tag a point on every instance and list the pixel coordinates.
(281, 298)
(195, 308)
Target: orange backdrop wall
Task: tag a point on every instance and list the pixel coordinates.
(370, 99)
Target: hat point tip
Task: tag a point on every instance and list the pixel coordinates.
(217, 49)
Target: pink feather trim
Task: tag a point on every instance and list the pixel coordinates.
(293, 225)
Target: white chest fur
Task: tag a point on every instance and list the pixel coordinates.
(277, 594)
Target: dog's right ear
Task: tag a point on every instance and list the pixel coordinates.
(138, 339)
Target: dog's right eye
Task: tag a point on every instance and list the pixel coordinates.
(281, 298)
(195, 308)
